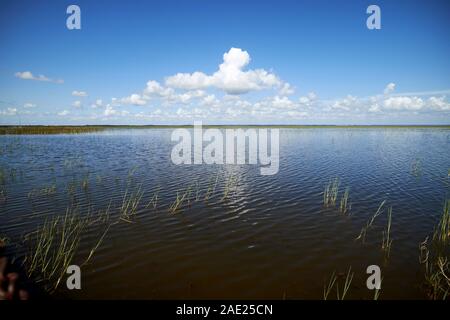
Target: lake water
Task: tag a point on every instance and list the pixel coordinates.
(268, 237)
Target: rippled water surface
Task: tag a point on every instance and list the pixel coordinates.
(268, 237)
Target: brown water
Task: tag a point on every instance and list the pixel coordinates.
(271, 237)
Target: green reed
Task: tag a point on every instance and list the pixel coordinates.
(328, 287)
(333, 281)
(211, 187)
(387, 241)
(230, 186)
(442, 231)
(345, 206)
(53, 246)
(180, 199)
(437, 271)
(369, 223)
(330, 193)
(435, 257)
(130, 204)
(154, 200)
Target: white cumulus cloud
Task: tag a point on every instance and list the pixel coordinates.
(230, 78)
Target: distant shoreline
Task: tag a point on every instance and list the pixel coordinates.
(74, 129)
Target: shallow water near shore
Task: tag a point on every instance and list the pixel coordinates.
(266, 237)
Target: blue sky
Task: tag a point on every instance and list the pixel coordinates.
(162, 62)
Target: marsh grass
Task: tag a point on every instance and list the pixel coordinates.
(180, 199)
(345, 206)
(54, 245)
(435, 258)
(328, 287)
(376, 292)
(130, 205)
(442, 231)
(49, 129)
(53, 249)
(334, 281)
(211, 187)
(437, 271)
(387, 241)
(230, 186)
(330, 193)
(154, 200)
(369, 223)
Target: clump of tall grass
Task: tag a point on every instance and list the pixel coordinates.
(345, 206)
(130, 205)
(435, 258)
(330, 193)
(333, 281)
(437, 272)
(369, 223)
(442, 231)
(387, 241)
(230, 186)
(211, 187)
(53, 246)
(154, 200)
(180, 199)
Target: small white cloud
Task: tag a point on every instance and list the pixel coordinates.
(9, 112)
(308, 99)
(27, 75)
(345, 104)
(389, 88)
(79, 93)
(76, 104)
(155, 89)
(286, 90)
(29, 105)
(63, 113)
(134, 99)
(97, 104)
